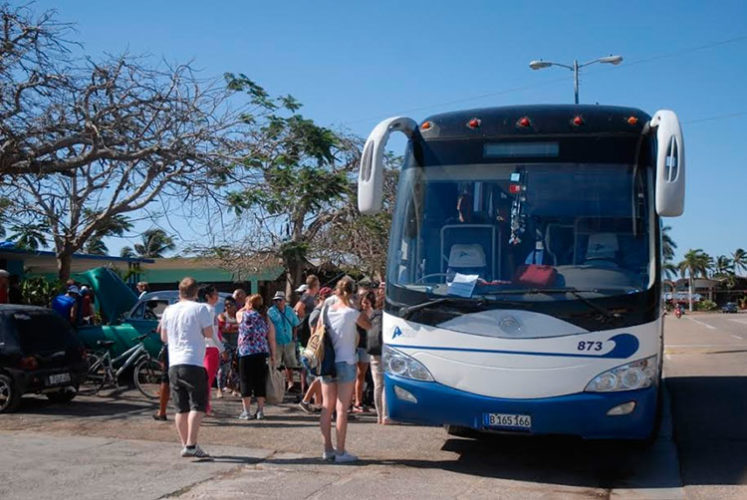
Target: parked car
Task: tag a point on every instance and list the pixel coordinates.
(39, 353)
(729, 307)
(124, 317)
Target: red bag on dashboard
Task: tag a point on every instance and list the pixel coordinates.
(535, 275)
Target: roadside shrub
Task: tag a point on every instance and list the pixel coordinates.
(706, 305)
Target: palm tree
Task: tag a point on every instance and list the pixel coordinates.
(667, 244)
(155, 243)
(127, 252)
(739, 260)
(723, 266)
(95, 246)
(695, 263)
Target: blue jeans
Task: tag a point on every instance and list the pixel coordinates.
(345, 373)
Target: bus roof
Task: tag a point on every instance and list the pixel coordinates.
(532, 120)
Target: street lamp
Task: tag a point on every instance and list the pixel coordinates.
(546, 64)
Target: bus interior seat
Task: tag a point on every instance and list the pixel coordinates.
(467, 259)
(559, 244)
(465, 235)
(602, 248)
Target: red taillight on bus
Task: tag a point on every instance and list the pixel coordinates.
(28, 363)
(523, 122)
(632, 120)
(473, 123)
(426, 125)
(577, 121)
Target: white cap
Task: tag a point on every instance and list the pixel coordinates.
(4, 273)
(302, 288)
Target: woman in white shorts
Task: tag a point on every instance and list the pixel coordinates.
(337, 391)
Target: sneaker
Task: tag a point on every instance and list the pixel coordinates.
(328, 456)
(305, 406)
(160, 418)
(244, 416)
(196, 452)
(345, 457)
(260, 415)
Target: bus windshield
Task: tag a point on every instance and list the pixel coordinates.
(510, 230)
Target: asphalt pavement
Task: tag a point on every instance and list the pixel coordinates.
(108, 446)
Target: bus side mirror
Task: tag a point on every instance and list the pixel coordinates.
(670, 164)
(371, 173)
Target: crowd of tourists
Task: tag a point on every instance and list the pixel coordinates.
(238, 349)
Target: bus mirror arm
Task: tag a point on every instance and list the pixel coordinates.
(371, 173)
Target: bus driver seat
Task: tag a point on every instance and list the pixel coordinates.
(602, 249)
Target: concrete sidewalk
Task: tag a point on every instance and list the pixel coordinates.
(34, 465)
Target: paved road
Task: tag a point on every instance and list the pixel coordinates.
(706, 370)
(108, 446)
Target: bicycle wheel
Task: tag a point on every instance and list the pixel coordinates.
(96, 373)
(147, 377)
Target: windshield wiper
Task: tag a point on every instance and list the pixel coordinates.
(406, 311)
(577, 293)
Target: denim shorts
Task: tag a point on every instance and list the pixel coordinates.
(345, 373)
(362, 355)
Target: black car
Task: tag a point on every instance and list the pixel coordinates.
(729, 307)
(39, 353)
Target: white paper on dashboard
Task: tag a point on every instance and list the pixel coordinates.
(463, 285)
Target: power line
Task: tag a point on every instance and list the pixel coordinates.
(680, 52)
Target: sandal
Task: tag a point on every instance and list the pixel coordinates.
(160, 418)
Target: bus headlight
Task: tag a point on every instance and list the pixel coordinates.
(398, 363)
(629, 377)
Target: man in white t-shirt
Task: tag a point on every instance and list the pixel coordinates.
(184, 327)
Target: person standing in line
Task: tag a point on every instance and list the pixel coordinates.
(337, 388)
(256, 341)
(184, 327)
(303, 309)
(375, 304)
(315, 388)
(163, 388)
(285, 321)
(142, 288)
(214, 349)
(228, 331)
(362, 357)
(239, 295)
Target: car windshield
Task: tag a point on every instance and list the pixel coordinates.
(497, 230)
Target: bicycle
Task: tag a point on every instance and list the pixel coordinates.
(146, 373)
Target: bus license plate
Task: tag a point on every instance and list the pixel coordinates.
(59, 378)
(508, 421)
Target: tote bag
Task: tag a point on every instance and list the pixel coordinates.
(314, 352)
(275, 385)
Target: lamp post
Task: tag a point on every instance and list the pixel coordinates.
(576, 66)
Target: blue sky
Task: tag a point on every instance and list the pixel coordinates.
(354, 63)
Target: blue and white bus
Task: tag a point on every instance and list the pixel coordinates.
(523, 287)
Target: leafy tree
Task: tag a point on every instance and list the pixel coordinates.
(668, 246)
(155, 242)
(723, 266)
(739, 260)
(293, 185)
(361, 241)
(86, 143)
(127, 252)
(695, 263)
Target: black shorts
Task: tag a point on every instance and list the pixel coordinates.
(163, 358)
(253, 375)
(189, 389)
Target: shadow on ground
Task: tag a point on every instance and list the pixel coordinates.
(710, 415)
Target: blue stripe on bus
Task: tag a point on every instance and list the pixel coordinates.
(625, 346)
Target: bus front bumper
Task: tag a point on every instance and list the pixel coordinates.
(582, 414)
